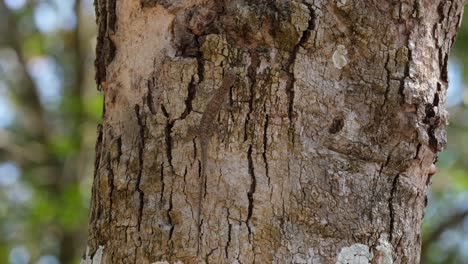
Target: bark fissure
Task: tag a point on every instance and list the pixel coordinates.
(406, 75)
(251, 192)
(141, 153)
(252, 75)
(161, 177)
(98, 151)
(190, 96)
(170, 220)
(433, 120)
(391, 207)
(290, 66)
(229, 235)
(168, 139)
(149, 96)
(111, 186)
(265, 145)
(119, 150)
(105, 47)
(387, 88)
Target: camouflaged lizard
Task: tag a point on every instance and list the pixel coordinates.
(205, 131)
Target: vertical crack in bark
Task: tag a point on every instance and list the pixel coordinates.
(105, 48)
(191, 91)
(406, 75)
(195, 149)
(149, 95)
(97, 149)
(443, 63)
(110, 180)
(290, 67)
(97, 162)
(112, 14)
(433, 120)
(250, 193)
(252, 74)
(168, 139)
(169, 148)
(171, 222)
(141, 148)
(119, 149)
(418, 148)
(265, 145)
(387, 90)
(190, 96)
(161, 177)
(164, 111)
(200, 62)
(228, 243)
(391, 206)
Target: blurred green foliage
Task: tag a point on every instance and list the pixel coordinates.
(49, 108)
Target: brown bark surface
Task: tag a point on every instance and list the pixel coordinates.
(319, 150)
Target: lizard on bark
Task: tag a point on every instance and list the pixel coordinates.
(205, 130)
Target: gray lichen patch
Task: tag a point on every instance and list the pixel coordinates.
(361, 254)
(384, 252)
(355, 254)
(339, 57)
(95, 259)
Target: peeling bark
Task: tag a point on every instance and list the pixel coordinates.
(320, 149)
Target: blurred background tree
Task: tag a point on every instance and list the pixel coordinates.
(49, 109)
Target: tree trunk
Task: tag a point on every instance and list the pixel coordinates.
(267, 131)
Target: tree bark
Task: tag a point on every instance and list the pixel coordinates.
(319, 150)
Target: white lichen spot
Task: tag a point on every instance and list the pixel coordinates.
(341, 3)
(385, 251)
(96, 259)
(339, 57)
(355, 254)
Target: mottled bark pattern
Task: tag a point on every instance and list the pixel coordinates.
(320, 152)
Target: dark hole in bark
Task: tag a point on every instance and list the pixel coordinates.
(336, 126)
(436, 99)
(430, 113)
(433, 122)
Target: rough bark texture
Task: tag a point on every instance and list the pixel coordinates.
(320, 151)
